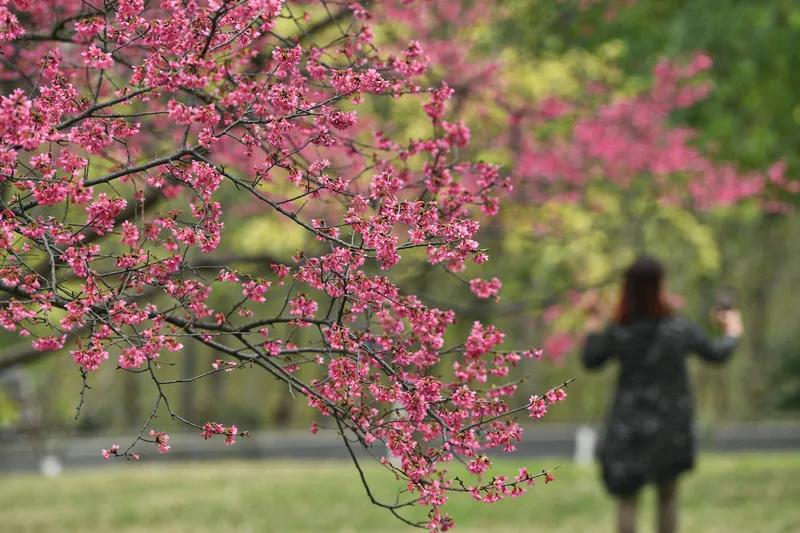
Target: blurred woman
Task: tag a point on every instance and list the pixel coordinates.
(648, 436)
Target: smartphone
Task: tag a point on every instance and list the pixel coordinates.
(725, 299)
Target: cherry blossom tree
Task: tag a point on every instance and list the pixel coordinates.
(132, 131)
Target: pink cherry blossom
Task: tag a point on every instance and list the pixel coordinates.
(161, 440)
(94, 57)
(111, 452)
(485, 288)
(45, 344)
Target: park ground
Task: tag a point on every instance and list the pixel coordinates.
(727, 493)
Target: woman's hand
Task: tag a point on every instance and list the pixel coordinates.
(730, 320)
(593, 323)
(594, 320)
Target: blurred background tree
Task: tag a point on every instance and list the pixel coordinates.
(751, 117)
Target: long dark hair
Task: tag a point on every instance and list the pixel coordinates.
(642, 295)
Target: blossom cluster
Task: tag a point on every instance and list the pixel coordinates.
(214, 428)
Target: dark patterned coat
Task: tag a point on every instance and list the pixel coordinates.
(648, 436)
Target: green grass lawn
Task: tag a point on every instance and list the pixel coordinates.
(727, 493)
